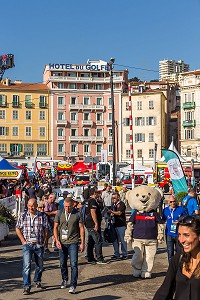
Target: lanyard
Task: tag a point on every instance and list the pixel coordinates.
(172, 214)
(67, 216)
(32, 222)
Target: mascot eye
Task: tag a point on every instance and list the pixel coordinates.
(149, 194)
(137, 195)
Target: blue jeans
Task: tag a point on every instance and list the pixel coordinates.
(28, 251)
(172, 245)
(70, 250)
(120, 239)
(94, 241)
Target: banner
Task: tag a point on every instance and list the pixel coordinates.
(176, 172)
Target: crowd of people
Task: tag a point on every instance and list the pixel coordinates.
(76, 224)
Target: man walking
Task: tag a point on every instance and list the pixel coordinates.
(190, 203)
(68, 228)
(32, 230)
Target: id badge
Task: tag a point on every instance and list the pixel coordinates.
(173, 228)
(32, 238)
(64, 234)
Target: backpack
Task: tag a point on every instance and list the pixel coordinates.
(185, 205)
(83, 213)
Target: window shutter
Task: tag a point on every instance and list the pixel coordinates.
(20, 147)
(11, 147)
(154, 120)
(147, 120)
(6, 130)
(143, 121)
(135, 121)
(143, 137)
(136, 138)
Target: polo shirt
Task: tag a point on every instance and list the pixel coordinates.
(192, 204)
(172, 215)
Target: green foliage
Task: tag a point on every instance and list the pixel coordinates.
(6, 216)
(135, 79)
(180, 196)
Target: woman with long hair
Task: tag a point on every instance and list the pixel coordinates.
(182, 281)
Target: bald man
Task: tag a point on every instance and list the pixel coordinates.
(32, 230)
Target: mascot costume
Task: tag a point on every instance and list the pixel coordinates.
(142, 229)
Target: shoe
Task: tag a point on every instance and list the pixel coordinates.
(101, 262)
(72, 290)
(124, 257)
(114, 257)
(64, 284)
(38, 285)
(92, 262)
(27, 291)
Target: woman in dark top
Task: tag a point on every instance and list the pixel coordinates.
(182, 281)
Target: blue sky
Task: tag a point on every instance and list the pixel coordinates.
(138, 33)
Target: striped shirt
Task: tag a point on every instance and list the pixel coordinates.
(36, 226)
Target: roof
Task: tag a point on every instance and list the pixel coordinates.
(21, 86)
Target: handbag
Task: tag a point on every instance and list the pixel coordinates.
(109, 233)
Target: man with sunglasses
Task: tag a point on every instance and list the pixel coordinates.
(171, 214)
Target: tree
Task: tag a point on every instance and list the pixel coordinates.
(135, 79)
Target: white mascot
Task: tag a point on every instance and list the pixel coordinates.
(142, 228)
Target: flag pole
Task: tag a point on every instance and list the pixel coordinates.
(131, 136)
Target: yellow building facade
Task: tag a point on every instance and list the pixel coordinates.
(24, 119)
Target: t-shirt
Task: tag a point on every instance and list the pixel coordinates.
(71, 226)
(192, 204)
(170, 216)
(92, 204)
(119, 221)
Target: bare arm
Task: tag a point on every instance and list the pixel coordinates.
(82, 236)
(20, 236)
(55, 232)
(94, 218)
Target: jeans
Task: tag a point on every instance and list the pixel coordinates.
(172, 245)
(94, 240)
(70, 250)
(28, 250)
(120, 239)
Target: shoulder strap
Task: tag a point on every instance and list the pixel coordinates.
(186, 203)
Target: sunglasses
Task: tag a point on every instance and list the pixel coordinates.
(172, 201)
(184, 220)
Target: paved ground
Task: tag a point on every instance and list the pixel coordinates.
(111, 281)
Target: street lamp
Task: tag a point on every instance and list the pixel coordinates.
(111, 62)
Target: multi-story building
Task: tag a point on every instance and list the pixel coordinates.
(24, 128)
(190, 115)
(81, 108)
(171, 69)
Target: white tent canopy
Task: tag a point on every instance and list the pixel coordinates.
(138, 169)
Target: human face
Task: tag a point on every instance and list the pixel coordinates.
(115, 198)
(172, 202)
(188, 239)
(32, 206)
(68, 206)
(52, 198)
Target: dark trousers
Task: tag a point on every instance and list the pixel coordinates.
(172, 246)
(94, 241)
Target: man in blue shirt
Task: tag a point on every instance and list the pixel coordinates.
(190, 203)
(171, 214)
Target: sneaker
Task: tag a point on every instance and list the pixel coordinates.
(114, 257)
(92, 262)
(27, 291)
(124, 257)
(72, 290)
(64, 284)
(101, 262)
(38, 285)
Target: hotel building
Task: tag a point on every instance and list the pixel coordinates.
(81, 108)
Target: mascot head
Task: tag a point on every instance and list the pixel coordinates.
(143, 198)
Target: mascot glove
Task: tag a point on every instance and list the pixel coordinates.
(161, 230)
(128, 233)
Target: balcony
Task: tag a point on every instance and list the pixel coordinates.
(74, 153)
(85, 79)
(81, 138)
(87, 153)
(61, 138)
(86, 107)
(15, 104)
(110, 138)
(109, 123)
(29, 105)
(189, 123)
(189, 105)
(74, 122)
(61, 106)
(99, 122)
(42, 105)
(87, 122)
(61, 122)
(100, 139)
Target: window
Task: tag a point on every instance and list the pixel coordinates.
(128, 153)
(28, 101)
(42, 115)
(85, 75)
(109, 116)
(189, 97)
(99, 116)
(99, 86)
(151, 106)
(60, 85)
(61, 149)
(139, 105)
(74, 148)
(28, 131)
(42, 131)
(128, 138)
(151, 121)
(28, 149)
(110, 149)
(42, 102)
(86, 132)
(86, 100)
(73, 132)
(72, 74)
(99, 132)
(139, 137)
(15, 115)
(2, 114)
(86, 148)
(126, 121)
(15, 101)
(60, 116)
(98, 148)
(127, 105)
(85, 86)
(139, 121)
(41, 149)
(4, 130)
(86, 116)
(73, 116)
(72, 86)
(61, 101)
(73, 100)
(151, 137)
(99, 101)
(189, 134)
(189, 116)
(109, 102)
(28, 115)
(189, 152)
(151, 153)
(60, 132)
(139, 153)
(15, 131)
(110, 132)
(3, 100)
(3, 148)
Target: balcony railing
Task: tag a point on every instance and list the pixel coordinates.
(99, 122)
(87, 122)
(108, 123)
(61, 106)
(61, 122)
(189, 105)
(74, 153)
(61, 137)
(85, 79)
(100, 139)
(74, 122)
(86, 107)
(189, 123)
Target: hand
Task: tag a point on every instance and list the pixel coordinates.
(96, 227)
(82, 246)
(58, 245)
(24, 243)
